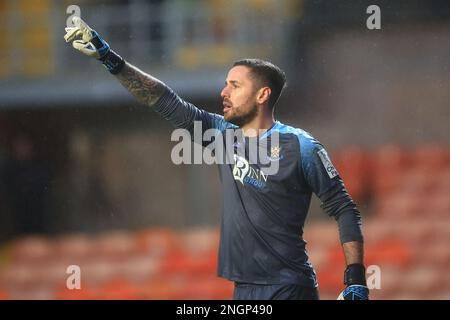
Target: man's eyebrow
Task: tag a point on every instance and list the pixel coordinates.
(232, 81)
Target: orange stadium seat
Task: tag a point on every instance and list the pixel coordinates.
(115, 245)
(31, 292)
(354, 166)
(75, 246)
(432, 157)
(99, 270)
(158, 241)
(418, 180)
(335, 257)
(331, 280)
(3, 294)
(323, 233)
(388, 164)
(390, 158)
(33, 249)
(390, 282)
(438, 203)
(403, 203)
(376, 229)
(199, 240)
(388, 252)
(207, 288)
(433, 254)
(443, 182)
(119, 289)
(415, 230)
(317, 254)
(62, 293)
(179, 263)
(422, 279)
(195, 252)
(139, 267)
(163, 288)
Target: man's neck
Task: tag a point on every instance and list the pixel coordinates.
(252, 129)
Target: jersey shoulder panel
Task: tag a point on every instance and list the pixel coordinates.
(305, 139)
(218, 122)
(314, 164)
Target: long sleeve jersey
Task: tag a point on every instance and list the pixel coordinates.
(263, 215)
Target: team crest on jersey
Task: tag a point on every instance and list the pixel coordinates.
(240, 168)
(275, 153)
(331, 170)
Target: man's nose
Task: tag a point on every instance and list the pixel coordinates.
(224, 93)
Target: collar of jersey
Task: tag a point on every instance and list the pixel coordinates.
(267, 134)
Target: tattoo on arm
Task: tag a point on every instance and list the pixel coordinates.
(354, 252)
(142, 86)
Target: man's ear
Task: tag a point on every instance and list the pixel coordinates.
(263, 95)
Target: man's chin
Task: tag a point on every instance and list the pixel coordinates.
(231, 119)
(239, 119)
(228, 117)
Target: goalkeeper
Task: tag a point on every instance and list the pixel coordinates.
(261, 245)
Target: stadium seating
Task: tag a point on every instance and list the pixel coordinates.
(407, 231)
(354, 166)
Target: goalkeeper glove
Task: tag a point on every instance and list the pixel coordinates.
(355, 280)
(89, 42)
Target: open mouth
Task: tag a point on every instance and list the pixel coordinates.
(226, 107)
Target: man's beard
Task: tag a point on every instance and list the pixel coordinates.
(241, 119)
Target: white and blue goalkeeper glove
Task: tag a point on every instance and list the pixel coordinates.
(355, 280)
(89, 42)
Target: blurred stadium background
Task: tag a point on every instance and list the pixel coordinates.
(86, 175)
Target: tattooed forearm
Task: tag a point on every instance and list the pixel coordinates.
(144, 87)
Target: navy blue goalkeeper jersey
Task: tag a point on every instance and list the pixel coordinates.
(263, 215)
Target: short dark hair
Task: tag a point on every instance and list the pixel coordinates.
(268, 74)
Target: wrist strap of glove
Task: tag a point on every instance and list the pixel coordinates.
(113, 62)
(100, 44)
(355, 274)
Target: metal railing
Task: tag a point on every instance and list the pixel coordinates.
(168, 36)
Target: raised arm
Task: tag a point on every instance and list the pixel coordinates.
(145, 88)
